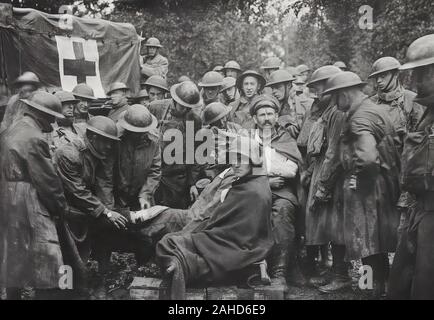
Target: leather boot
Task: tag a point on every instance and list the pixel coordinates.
(278, 266)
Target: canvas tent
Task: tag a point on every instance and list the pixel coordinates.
(64, 50)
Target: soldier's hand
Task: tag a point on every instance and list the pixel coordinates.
(194, 194)
(305, 178)
(144, 203)
(118, 220)
(276, 182)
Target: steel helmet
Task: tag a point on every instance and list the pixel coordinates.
(303, 68)
(117, 86)
(45, 102)
(342, 80)
(232, 65)
(211, 79)
(142, 94)
(137, 118)
(228, 83)
(420, 53)
(293, 71)
(341, 65)
(82, 90)
(65, 96)
(279, 76)
(323, 73)
(218, 68)
(251, 73)
(384, 64)
(103, 126)
(214, 111)
(153, 42)
(183, 78)
(186, 94)
(271, 63)
(157, 81)
(28, 78)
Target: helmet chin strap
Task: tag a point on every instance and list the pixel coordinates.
(393, 82)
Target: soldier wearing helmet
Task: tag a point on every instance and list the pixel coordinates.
(323, 127)
(219, 69)
(270, 65)
(65, 130)
(282, 159)
(250, 84)
(229, 92)
(341, 65)
(413, 268)
(141, 98)
(24, 85)
(84, 93)
(118, 94)
(211, 84)
(232, 69)
(139, 164)
(156, 87)
(215, 118)
(292, 108)
(403, 111)
(177, 186)
(153, 63)
(85, 167)
(371, 186)
(32, 199)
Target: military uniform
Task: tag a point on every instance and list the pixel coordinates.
(176, 179)
(31, 198)
(157, 65)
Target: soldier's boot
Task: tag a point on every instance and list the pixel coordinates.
(278, 266)
(338, 277)
(295, 276)
(339, 267)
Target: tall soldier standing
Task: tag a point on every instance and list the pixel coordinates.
(31, 199)
(371, 164)
(412, 271)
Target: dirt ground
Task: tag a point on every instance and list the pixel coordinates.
(124, 269)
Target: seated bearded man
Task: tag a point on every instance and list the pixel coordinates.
(282, 159)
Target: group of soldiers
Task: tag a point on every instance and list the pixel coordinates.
(323, 174)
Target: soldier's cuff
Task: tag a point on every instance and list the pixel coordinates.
(98, 211)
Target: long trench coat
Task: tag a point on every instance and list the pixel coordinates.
(368, 152)
(31, 197)
(324, 222)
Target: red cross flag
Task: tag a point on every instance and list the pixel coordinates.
(65, 50)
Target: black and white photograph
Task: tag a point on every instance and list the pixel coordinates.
(217, 150)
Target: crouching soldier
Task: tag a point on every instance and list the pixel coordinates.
(31, 198)
(86, 170)
(138, 169)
